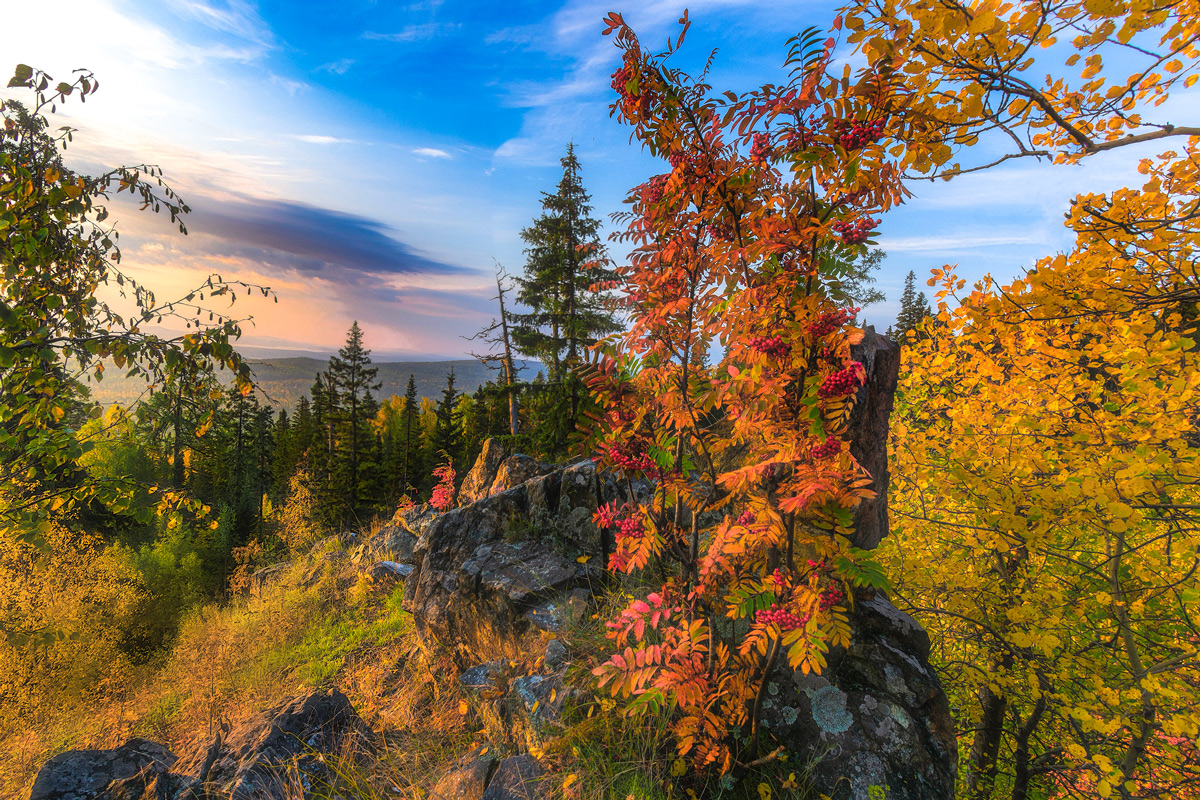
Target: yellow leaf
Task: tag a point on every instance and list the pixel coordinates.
(463, 708)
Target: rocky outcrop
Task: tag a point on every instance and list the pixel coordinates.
(869, 425)
(490, 573)
(88, 774)
(276, 754)
(518, 778)
(282, 745)
(481, 775)
(876, 717)
(477, 483)
(469, 779)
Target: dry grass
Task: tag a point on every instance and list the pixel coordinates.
(321, 625)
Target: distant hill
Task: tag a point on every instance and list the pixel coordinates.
(284, 380)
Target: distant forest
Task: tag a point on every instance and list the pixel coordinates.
(280, 382)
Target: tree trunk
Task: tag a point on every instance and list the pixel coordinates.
(985, 748)
(510, 378)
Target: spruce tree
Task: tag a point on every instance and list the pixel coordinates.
(323, 449)
(913, 309)
(410, 431)
(563, 248)
(447, 432)
(353, 380)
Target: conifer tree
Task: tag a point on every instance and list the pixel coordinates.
(563, 250)
(447, 431)
(410, 426)
(913, 309)
(353, 379)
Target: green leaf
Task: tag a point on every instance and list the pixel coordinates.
(22, 75)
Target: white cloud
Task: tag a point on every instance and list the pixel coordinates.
(318, 139)
(956, 242)
(339, 67)
(413, 33)
(235, 17)
(431, 152)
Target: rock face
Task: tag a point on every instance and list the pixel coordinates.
(877, 717)
(478, 481)
(284, 744)
(469, 779)
(869, 420)
(86, 774)
(491, 572)
(518, 778)
(274, 755)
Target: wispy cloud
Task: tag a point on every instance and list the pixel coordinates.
(431, 152)
(309, 240)
(414, 33)
(292, 87)
(955, 242)
(318, 139)
(235, 17)
(339, 67)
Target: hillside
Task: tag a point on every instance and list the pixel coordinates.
(284, 380)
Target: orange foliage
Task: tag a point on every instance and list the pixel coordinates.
(728, 250)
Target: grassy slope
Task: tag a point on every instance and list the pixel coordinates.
(321, 625)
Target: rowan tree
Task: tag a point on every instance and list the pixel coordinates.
(751, 517)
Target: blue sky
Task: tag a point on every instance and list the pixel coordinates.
(369, 159)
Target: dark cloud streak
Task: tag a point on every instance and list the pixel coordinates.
(311, 240)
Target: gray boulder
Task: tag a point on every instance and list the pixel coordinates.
(876, 717)
(389, 543)
(386, 574)
(477, 483)
(515, 470)
(469, 779)
(87, 774)
(480, 596)
(518, 778)
(273, 751)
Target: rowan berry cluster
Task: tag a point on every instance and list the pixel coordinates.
(653, 189)
(761, 149)
(856, 231)
(720, 231)
(827, 449)
(830, 321)
(630, 528)
(746, 517)
(628, 458)
(853, 135)
(632, 105)
(831, 597)
(770, 345)
(778, 579)
(841, 383)
(798, 139)
(786, 620)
